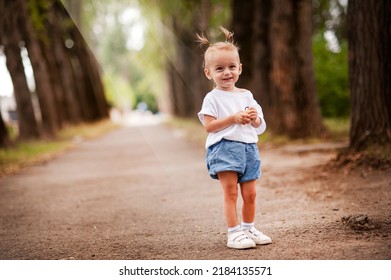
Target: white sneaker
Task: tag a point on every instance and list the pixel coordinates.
(239, 240)
(257, 236)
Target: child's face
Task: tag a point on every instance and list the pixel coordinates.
(224, 67)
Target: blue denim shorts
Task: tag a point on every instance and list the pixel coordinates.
(239, 157)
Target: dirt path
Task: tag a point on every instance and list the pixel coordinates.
(143, 193)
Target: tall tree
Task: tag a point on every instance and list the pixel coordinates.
(369, 37)
(4, 137)
(44, 89)
(71, 109)
(67, 75)
(93, 100)
(11, 41)
(281, 64)
(188, 84)
(293, 82)
(243, 26)
(251, 25)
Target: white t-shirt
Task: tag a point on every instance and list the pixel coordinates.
(220, 104)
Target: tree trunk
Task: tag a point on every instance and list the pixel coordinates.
(42, 79)
(369, 37)
(4, 138)
(95, 106)
(187, 81)
(55, 81)
(242, 26)
(28, 127)
(251, 25)
(199, 84)
(172, 90)
(261, 60)
(307, 104)
(99, 93)
(183, 81)
(72, 110)
(27, 123)
(91, 81)
(294, 109)
(276, 52)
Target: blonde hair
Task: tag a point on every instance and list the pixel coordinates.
(228, 44)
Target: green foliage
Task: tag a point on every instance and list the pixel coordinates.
(331, 73)
(118, 91)
(330, 15)
(114, 45)
(39, 13)
(149, 99)
(129, 74)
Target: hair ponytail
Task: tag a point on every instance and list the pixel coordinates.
(202, 40)
(229, 36)
(227, 44)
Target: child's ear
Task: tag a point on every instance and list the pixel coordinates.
(240, 68)
(207, 73)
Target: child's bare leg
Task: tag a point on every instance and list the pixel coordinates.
(248, 191)
(229, 183)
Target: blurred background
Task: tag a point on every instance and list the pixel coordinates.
(70, 62)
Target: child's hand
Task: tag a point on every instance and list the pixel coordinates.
(242, 118)
(252, 113)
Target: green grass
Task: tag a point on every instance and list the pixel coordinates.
(338, 128)
(24, 153)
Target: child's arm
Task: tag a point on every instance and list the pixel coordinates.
(213, 125)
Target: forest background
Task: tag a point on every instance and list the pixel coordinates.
(87, 57)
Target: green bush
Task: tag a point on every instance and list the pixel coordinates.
(332, 80)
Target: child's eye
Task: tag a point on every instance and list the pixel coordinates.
(232, 66)
(219, 68)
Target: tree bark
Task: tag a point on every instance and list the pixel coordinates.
(92, 82)
(11, 39)
(4, 137)
(261, 61)
(94, 105)
(42, 79)
(28, 127)
(243, 13)
(187, 81)
(182, 79)
(55, 81)
(276, 52)
(295, 110)
(72, 109)
(369, 38)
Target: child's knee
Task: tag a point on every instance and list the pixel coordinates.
(250, 196)
(231, 194)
